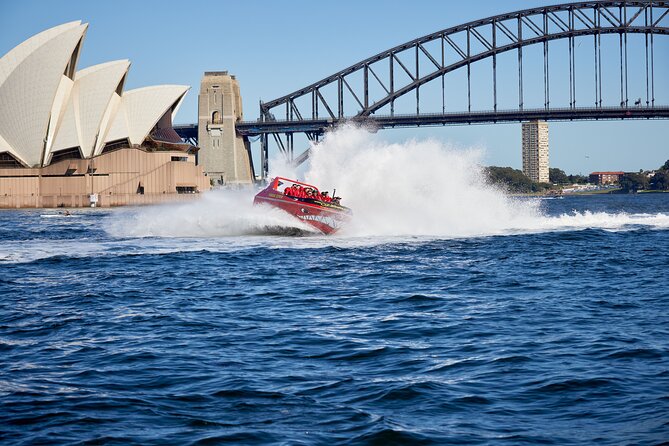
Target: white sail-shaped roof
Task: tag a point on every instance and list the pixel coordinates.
(20, 52)
(141, 109)
(83, 122)
(107, 121)
(31, 78)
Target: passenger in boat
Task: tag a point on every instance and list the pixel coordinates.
(298, 191)
(293, 191)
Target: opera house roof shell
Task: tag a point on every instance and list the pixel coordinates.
(47, 107)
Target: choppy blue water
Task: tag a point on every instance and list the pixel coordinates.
(550, 336)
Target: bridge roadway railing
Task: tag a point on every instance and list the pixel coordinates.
(255, 128)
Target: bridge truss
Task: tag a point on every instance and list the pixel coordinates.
(369, 90)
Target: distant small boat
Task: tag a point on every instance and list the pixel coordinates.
(325, 216)
(58, 215)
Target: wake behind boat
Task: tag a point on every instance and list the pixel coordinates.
(305, 202)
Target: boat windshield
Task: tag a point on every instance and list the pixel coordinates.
(281, 184)
(303, 191)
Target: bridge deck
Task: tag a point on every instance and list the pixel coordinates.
(254, 128)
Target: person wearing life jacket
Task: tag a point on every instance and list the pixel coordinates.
(288, 191)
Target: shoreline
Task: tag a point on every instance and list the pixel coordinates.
(589, 193)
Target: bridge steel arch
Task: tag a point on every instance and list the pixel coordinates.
(311, 111)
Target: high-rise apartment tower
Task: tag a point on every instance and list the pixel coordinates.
(535, 150)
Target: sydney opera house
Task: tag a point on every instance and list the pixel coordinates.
(73, 138)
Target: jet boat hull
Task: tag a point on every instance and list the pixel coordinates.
(327, 218)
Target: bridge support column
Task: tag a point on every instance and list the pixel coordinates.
(223, 153)
(264, 155)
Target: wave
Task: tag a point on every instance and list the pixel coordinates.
(220, 213)
(411, 189)
(429, 188)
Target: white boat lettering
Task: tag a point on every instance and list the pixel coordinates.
(333, 223)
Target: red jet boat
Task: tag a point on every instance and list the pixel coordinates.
(327, 217)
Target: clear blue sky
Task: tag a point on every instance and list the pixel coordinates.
(277, 47)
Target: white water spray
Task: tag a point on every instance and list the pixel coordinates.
(416, 188)
(219, 213)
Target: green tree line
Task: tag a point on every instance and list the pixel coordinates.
(634, 182)
(558, 176)
(515, 180)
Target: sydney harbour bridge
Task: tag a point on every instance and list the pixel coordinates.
(595, 60)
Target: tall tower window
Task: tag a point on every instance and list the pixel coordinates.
(216, 117)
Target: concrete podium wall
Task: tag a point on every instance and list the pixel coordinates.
(122, 177)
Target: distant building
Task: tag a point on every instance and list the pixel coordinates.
(77, 138)
(535, 150)
(606, 177)
(225, 156)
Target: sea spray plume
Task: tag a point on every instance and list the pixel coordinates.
(218, 213)
(427, 188)
(280, 166)
(413, 188)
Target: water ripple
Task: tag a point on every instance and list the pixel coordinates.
(553, 337)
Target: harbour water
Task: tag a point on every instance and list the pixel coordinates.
(214, 322)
